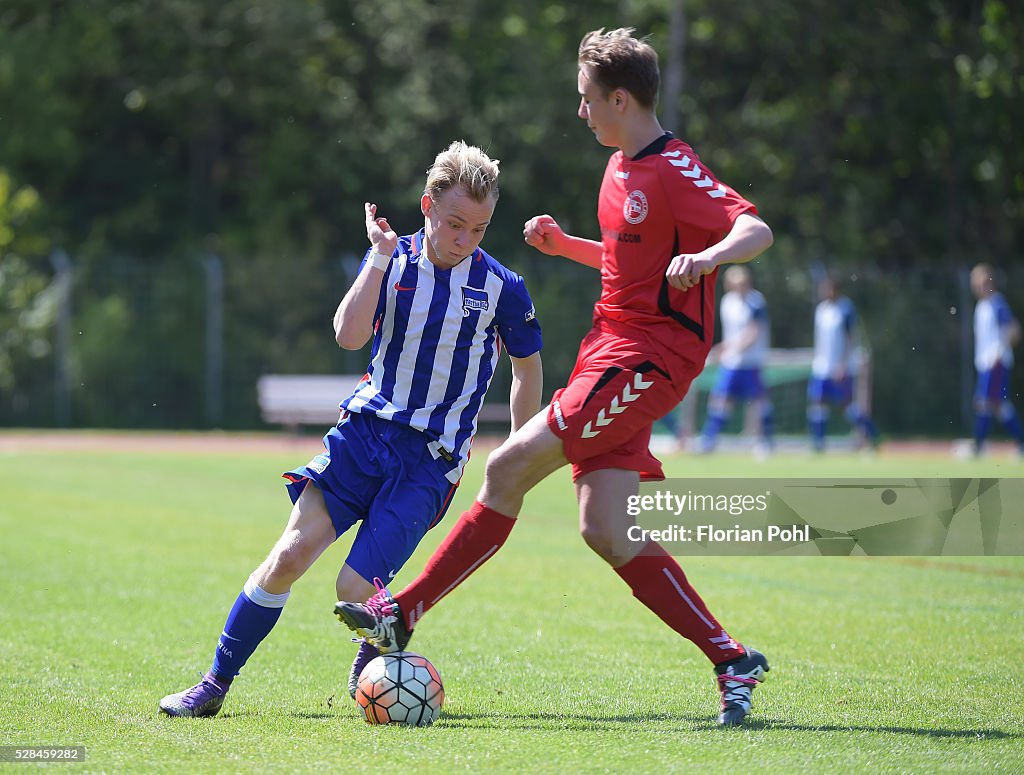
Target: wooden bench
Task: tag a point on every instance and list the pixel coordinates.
(303, 399)
(312, 399)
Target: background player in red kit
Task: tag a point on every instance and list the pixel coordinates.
(667, 224)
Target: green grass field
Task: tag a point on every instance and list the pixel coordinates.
(119, 566)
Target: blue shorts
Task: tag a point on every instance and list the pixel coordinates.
(822, 390)
(739, 384)
(993, 385)
(382, 474)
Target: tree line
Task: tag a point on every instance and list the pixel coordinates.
(141, 137)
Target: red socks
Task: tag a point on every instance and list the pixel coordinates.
(654, 576)
(477, 535)
(659, 583)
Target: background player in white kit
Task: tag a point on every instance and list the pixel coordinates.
(740, 355)
(996, 332)
(835, 366)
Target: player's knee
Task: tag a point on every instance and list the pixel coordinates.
(506, 467)
(598, 538)
(354, 589)
(982, 407)
(1006, 411)
(606, 542)
(287, 562)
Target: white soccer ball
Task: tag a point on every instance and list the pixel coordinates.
(400, 688)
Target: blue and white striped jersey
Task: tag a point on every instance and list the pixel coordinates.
(992, 321)
(833, 335)
(437, 337)
(738, 311)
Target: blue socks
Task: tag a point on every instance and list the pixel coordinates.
(1007, 416)
(864, 422)
(981, 424)
(817, 418)
(1012, 424)
(252, 617)
(712, 427)
(768, 423)
(717, 419)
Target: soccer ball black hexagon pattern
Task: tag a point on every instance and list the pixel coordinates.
(400, 688)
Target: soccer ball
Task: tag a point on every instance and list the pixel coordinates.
(400, 688)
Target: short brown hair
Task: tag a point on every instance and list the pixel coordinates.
(463, 165)
(618, 60)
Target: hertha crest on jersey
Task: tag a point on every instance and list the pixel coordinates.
(634, 210)
(473, 298)
(437, 338)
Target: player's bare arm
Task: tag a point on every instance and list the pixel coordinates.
(840, 372)
(739, 344)
(527, 387)
(748, 337)
(353, 320)
(1013, 333)
(544, 233)
(749, 237)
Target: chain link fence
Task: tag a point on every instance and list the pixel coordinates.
(182, 344)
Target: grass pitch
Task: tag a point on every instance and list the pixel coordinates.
(117, 569)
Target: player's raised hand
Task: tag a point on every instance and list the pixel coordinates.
(379, 231)
(544, 233)
(685, 270)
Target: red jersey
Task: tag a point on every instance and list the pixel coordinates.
(652, 207)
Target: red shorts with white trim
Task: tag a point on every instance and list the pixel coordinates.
(618, 388)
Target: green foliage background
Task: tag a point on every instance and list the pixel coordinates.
(141, 136)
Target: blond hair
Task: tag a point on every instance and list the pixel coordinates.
(618, 60)
(463, 165)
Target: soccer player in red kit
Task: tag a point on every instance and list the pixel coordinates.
(667, 224)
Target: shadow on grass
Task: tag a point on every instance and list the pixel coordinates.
(316, 716)
(979, 734)
(249, 714)
(551, 721)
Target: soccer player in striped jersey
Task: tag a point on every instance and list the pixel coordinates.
(996, 332)
(744, 316)
(439, 310)
(667, 224)
(834, 366)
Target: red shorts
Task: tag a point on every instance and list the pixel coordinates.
(618, 388)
